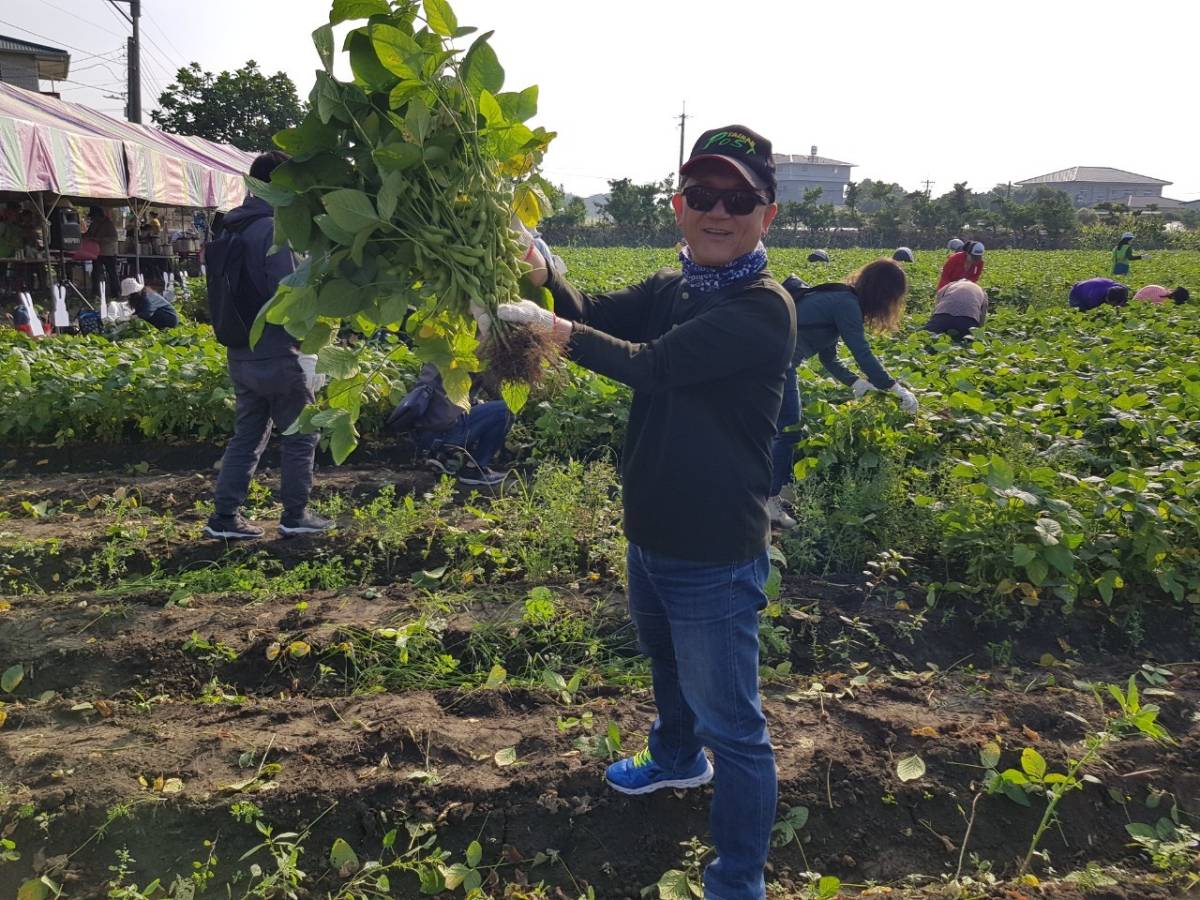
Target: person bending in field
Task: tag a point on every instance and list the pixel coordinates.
(966, 263)
(705, 351)
(148, 304)
(825, 314)
(1123, 254)
(441, 427)
(958, 307)
(1156, 293)
(1096, 292)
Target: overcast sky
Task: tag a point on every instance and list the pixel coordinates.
(983, 92)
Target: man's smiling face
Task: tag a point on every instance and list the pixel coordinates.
(716, 238)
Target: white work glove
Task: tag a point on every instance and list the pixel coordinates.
(482, 318)
(860, 387)
(526, 312)
(908, 400)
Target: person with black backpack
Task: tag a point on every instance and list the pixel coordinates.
(825, 314)
(272, 380)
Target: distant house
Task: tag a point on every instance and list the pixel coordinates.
(25, 65)
(1089, 185)
(797, 174)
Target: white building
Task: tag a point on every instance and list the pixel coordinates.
(1089, 185)
(797, 174)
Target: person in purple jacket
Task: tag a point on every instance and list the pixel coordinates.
(1095, 292)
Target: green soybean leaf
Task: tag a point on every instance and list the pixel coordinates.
(440, 17)
(310, 137)
(343, 438)
(264, 190)
(397, 51)
(481, 69)
(11, 678)
(397, 157)
(332, 230)
(474, 854)
(350, 209)
(1033, 763)
(317, 338)
(344, 10)
(323, 41)
(673, 885)
(337, 362)
(295, 221)
(989, 755)
(515, 395)
(365, 64)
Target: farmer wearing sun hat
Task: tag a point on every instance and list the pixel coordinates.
(705, 350)
(1123, 254)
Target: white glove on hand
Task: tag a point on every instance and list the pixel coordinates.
(523, 235)
(908, 400)
(482, 318)
(860, 387)
(526, 312)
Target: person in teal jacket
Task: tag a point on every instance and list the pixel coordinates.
(825, 314)
(1123, 254)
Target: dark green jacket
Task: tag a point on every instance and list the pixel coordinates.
(707, 373)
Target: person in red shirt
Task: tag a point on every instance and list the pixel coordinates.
(966, 263)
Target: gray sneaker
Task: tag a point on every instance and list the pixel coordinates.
(489, 477)
(305, 523)
(231, 528)
(779, 515)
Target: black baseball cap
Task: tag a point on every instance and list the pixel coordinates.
(746, 151)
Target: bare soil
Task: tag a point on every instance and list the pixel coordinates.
(112, 705)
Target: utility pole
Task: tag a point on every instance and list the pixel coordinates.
(928, 184)
(133, 106)
(683, 117)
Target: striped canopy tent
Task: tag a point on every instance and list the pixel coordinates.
(49, 145)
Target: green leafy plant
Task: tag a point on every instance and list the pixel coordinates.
(400, 189)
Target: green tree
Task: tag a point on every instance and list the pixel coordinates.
(243, 108)
(569, 209)
(1055, 213)
(853, 194)
(632, 205)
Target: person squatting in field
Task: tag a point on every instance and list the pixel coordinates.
(705, 351)
(440, 427)
(825, 314)
(966, 263)
(958, 308)
(1096, 292)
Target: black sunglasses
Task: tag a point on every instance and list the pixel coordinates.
(737, 202)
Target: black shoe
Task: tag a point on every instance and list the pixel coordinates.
(305, 523)
(231, 528)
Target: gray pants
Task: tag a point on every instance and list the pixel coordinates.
(268, 390)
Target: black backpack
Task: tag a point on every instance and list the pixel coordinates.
(799, 289)
(233, 300)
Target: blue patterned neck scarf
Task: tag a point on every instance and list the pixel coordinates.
(710, 279)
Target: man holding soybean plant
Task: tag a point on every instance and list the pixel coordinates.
(705, 351)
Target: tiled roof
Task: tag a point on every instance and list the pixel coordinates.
(1093, 174)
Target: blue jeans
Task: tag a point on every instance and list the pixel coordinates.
(781, 447)
(480, 431)
(698, 623)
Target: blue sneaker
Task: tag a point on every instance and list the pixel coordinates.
(640, 774)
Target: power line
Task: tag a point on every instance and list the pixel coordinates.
(75, 15)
